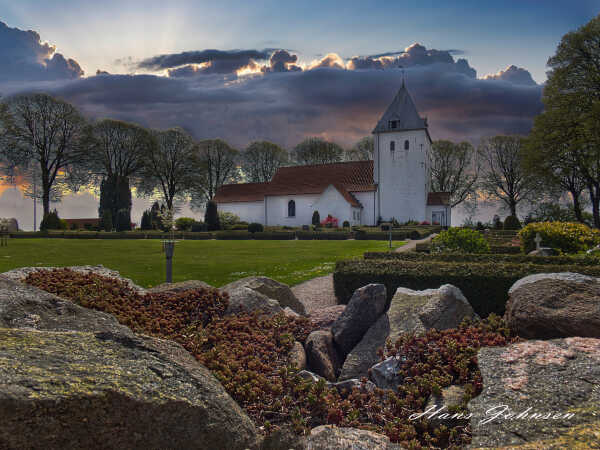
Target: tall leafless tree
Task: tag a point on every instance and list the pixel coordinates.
(261, 160)
(169, 166)
(43, 137)
(503, 176)
(454, 168)
(218, 165)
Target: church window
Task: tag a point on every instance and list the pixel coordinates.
(291, 208)
(406, 145)
(392, 146)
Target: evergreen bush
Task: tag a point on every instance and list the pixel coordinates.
(512, 223)
(460, 240)
(255, 227)
(316, 219)
(211, 217)
(51, 221)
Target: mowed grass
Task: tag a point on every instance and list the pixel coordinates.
(215, 262)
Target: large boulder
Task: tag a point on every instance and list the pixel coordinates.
(331, 437)
(101, 390)
(539, 394)
(321, 355)
(409, 312)
(363, 309)
(178, 287)
(24, 306)
(243, 299)
(546, 306)
(270, 288)
(324, 318)
(364, 355)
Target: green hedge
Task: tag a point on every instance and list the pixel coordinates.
(505, 250)
(265, 235)
(485, 285)
(486, 258)
(323, 235)
(385, 235)
(112, 235)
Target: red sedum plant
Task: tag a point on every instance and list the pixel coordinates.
(248, 353)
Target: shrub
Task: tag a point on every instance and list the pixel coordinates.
(324, 236)
(460, 240)
(228, 219)
(211, 217)
(146, 223)
(64, 225)
(567, 237)
(184, 223)
(106, 220)
(198, 226)
(425, 222)
(239, 227)
(580, 260)
(316, 219)
(255, 227)
(484, 284)
(497, 223)
(51, 221)
(74, 226)
(346, 224)
(512, 223)
(330, 222)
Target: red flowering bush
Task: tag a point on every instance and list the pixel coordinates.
(330, 222)
(248, 353)
(425, 223)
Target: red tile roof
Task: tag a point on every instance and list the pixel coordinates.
(438, 198)
(347, 177)
(244, 192)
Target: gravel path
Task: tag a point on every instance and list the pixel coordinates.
(317, 294)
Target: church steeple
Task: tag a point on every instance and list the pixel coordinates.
(401, 115)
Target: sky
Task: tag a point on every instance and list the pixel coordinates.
(282, 71)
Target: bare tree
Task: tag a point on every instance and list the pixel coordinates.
(116, 153)
(315, 150)
(45, 132)
(503, 176)
(454, 168)
(361, 150)
(261, 160)
(217, 163)
(169, 166)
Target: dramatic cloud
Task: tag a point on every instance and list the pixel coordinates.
(282, 61)
(25, 58)
(415, 55)
(204, 61)
(331, 60)
(514, 75)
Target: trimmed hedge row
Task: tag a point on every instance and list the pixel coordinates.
(111, 235)
(485, 285)
(486, 258)
(265, 235)
(396, 235)
(323, 235)
(425, 247)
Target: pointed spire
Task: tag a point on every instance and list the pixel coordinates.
(401, 114)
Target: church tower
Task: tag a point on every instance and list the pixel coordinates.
(400, 163)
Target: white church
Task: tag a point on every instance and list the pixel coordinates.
(394, 185)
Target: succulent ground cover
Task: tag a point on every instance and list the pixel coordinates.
(248, 353)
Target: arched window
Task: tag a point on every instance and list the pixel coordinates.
(392, 146)
(406, 145)
(291, 208)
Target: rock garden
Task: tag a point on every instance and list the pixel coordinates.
(440, 350)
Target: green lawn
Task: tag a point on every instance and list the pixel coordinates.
(215, 262)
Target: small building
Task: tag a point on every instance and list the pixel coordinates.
(394, 185)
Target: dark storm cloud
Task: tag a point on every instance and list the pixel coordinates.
(514, 75)
(415, 55)
(282, 61)
(221, 61)
(25, 58)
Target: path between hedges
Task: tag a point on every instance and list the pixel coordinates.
(317, 294)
